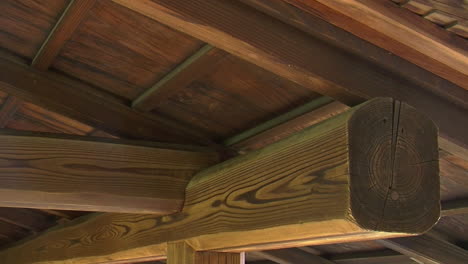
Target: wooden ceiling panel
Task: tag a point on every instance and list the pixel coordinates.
(236, 96)
(122, 51)
(454, 176)
(25, 24)
(30, 117)
(456, 227)
(349, 247)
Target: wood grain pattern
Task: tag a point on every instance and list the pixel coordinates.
(183, 253)
(411, 37)
(225, 30)
(428, 249)
(123, 52)
(248, 34)
(24, 24)
(62, 31)
(236, 95)
(307, 189)
(204, 61)
(76, 174)
(87, 105)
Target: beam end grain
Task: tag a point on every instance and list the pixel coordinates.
(393, 168)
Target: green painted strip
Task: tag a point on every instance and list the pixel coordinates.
(52, 32)
(312, 105)
(202, 51)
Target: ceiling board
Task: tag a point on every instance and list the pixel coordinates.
(121, 51)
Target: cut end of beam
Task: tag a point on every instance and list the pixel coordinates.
(394, 172)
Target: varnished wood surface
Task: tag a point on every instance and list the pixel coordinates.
(25, 24)
(123, 52)
(76, 174)
(61, 32)
(85, 104)
(288, 194)
(411, 37)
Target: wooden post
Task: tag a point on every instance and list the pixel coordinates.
(183, 253)
(370, 173)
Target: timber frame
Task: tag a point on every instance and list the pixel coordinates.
(357, 146)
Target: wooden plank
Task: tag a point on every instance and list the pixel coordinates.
(402, 33)
(76, 173)
(32, 220)
(288, 194)
(248, 34)
(427, 249)
(183, 253)
(306, 60)
(292, 256)
(201, 62)
(62, 31)
(85, 104)
(9, 108)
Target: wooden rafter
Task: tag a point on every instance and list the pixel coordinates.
(398, 31)
(75, 173)
(327, 69)
(291, 256)
(270, 196)
(8, 110)
(87, 105)
(63, 30)
(183, 253)
(428, 249)
(201, 62)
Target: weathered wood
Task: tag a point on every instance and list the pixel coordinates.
(86, 104)
(428, 249)
(201, 62)
(402, 33)
(306, 60)
(63, 30)
(183, 253)
(292, 256)
(368, 173)
(108, 176)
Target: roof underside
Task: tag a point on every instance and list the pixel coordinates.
(120, 54)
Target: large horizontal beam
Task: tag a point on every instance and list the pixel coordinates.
(341, 180)
(308, 60)
(76, 173)
(409, 36)
(88, 105)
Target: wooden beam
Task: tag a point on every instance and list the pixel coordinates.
(398, 31)
(62, 31)
(201, 62)
(88, 105)
(76, 173)
(428, 249)
(183, 253)
(291, 256)
(339, 181)
(306, 60)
